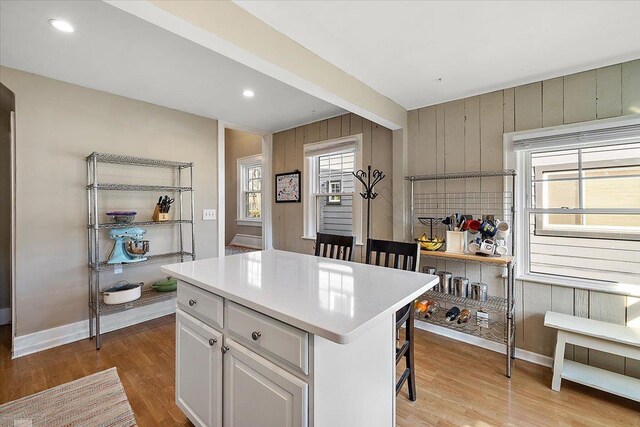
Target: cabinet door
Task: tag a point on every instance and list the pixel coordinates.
(198, 371)
(259, 393)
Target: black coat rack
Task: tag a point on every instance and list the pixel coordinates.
(369, 192)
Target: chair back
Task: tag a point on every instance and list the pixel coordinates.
(401, 255)
(335, 246)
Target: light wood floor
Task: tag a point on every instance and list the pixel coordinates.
(458, 384)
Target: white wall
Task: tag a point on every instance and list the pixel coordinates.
(58, 125)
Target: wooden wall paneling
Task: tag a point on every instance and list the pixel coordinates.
(581, 309)
(427, 153)
(509, 113)
(310, 134)
(290, 233)
(632, 366)
(553, 102)
(472, 163)
(440, 159)
(608, 308)
(580, 97)
(519, 312)
(356, 124)
(491, 138)
(382, 158)
(631, 87)
(278, 220)
(346, 125)
(528, 106)
(413, 142)
(334, 127)
(537, 301)
(609, 91)
(562, 302)
(324, 130)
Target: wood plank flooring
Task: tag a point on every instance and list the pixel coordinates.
(458, 384)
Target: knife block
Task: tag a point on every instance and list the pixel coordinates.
(159, 216)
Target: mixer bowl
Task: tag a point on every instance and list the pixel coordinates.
(137, 247)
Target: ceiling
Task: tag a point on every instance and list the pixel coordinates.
(116, 52)
(403, 48)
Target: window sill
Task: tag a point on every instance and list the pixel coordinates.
(314, 239)
(627, 289)
(249, 222)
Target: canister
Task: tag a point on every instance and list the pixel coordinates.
(444, 284)
(461, 286)
(479, 291)
(429, 270)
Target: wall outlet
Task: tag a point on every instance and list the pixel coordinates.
(208, 214)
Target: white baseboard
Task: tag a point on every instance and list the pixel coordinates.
(247, 240)
(49, 338)
(5, 316)
(521, 354)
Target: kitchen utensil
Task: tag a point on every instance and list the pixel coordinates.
(487, 247)
(119, 254)
(456, 241)
(122, 217)
(464, 316)
(444, 284)
(122, 292)
(479, 291)
(136, 247)
(452, 314)
(460, 286)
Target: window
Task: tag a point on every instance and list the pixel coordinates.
(250, 190)
(579, 204)
(330, 205)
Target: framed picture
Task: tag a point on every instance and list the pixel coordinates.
(288, 187)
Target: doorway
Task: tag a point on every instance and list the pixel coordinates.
(244, 190)
(7, 150)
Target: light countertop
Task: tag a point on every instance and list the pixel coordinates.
(336, 300)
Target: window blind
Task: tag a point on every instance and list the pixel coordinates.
(587, 138)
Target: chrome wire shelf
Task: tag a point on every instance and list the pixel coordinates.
(493, 304)
(461, 175)
(150, 260)
(132, 187)
(494, 330)
(136, 161)
(147, 296)
(141, 223)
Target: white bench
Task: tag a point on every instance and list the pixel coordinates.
(597, 335)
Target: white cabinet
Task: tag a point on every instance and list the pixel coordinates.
(198, 371)
(259, 393)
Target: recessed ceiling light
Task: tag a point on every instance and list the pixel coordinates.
(248, 93)
(63, 26)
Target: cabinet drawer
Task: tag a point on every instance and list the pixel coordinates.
(261, 332)
(201, 304)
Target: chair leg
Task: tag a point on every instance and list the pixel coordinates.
(410, 359)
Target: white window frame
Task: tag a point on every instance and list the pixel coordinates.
(244, 163)
(520, 163)
(310, 174)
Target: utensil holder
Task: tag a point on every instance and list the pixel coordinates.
(456, 241)
(159, 216)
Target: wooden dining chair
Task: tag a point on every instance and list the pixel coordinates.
(404, 256)
(335, 246)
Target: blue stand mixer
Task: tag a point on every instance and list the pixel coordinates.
(129, 245)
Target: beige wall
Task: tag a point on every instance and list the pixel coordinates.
(6, 106)
(288, 156)
(466, 135)
(237, 144)
(58, 125)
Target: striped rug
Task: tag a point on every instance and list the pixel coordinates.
(95, 400)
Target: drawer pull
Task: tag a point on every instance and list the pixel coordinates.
(212, 341)
(192, 302)
(224, 349)
(255, 335)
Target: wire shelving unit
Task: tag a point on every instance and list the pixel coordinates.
(120, 174)
(427, 206)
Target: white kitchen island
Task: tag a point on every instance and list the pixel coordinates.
(275, 339)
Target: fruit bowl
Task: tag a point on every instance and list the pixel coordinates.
(430, 244)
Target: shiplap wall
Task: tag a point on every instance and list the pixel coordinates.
(467, 135)
(288, 156)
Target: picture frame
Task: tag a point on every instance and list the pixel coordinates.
(288, 187)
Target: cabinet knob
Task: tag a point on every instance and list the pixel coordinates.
(192, 302)
(224, 349)
(212, 341)
(255, 335)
